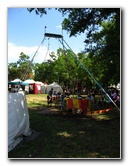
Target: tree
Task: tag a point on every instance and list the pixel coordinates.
(66, 68)
(44, 72)
(12, 71)
(102, 38)
(60, 69)
(22, 69)
(25, 66)
(38, 11)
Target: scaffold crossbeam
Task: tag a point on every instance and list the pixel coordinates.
(53, 35)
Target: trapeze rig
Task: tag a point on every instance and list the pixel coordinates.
(62, 41)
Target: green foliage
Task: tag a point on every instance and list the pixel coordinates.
(44, 72)
(38, 11)
(12, 71)
(22, 68)
(102, 40)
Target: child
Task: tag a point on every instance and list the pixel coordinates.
(49, 99)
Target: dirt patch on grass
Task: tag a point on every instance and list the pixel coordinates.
(47, 110)
(50, 111)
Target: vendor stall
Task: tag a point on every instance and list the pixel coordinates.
(77, 105)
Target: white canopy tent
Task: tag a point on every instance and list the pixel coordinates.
(43, 86)
(18, 119)
(56, 87)
(29, 81)
(17, 80)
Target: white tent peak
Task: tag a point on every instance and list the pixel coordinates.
(39, 82)
(29, 81)
(17, 80)
(56, 87)
(54, 84)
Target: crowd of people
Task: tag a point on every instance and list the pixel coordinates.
(112, 95)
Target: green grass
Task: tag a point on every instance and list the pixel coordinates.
(69, 136)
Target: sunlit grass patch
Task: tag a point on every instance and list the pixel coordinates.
(107, 116)
(36, 100)
(65, 134)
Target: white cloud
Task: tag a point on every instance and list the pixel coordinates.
(14, 53)
(59, 26)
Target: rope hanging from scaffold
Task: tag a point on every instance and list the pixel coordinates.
(29, 64)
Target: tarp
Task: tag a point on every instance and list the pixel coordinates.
(18, 119)
(17, 81)
(56, 87)
(24, 83)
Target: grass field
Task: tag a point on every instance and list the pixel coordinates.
(67, 136)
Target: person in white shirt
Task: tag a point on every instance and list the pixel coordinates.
(114, 95)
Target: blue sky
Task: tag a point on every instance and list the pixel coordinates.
(26, 31)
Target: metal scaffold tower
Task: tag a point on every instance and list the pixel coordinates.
(73, 55)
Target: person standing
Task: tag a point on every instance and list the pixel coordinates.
(49, 96)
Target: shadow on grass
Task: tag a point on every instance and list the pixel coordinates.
(71, 136)
(36, 104)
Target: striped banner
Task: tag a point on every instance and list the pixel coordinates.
(99, 111)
